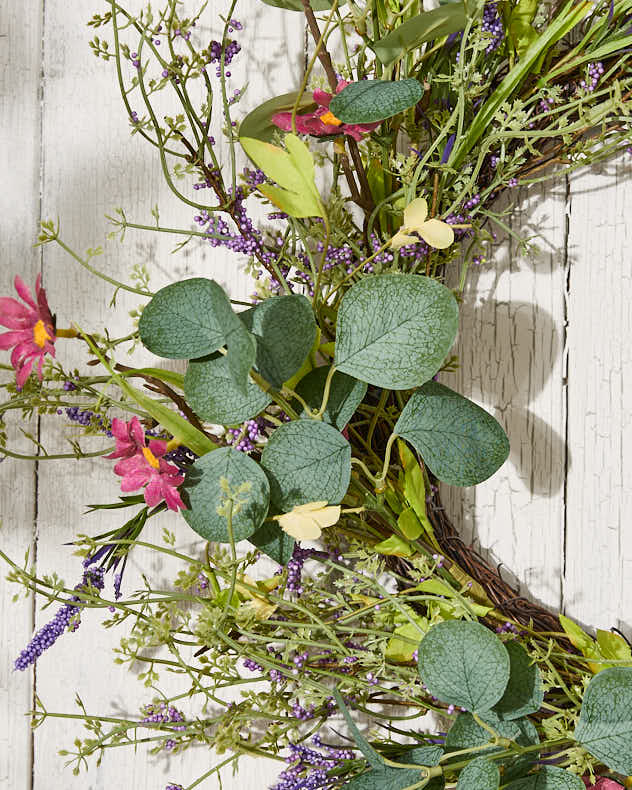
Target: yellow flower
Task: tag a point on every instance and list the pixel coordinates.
(306, 522)
(434, 232)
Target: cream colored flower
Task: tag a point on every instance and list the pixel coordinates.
(306, 522)
(434, 232)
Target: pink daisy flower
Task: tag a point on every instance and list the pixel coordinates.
(33, 326)
(322, 122)
(129, 436)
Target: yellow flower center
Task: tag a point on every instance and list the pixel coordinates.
(40, 335)
(330, 119)
(150, 458)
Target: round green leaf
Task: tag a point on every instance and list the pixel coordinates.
(187, 319)
(467, 733)
(480, 774)
(461, 443)
(306, 461)
(524, 693)
(370, 101)
(549, 777)
(285, 330)
(395, 330)
(605, 722)
(386, 779)
(271, 540)
(213, 395)
(203, 484)
(464, 664)
(423, 755)
(345, 395)
(258, 125)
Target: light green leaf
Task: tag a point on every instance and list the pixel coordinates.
(187, 319)
(274, 542)
(549, 777)
(480, 774)
(412, 33)
(370, 101)
(258, 124)
(213, 395)
(285, 330)
(306, 461)
(206, 494)
(292, 170)
(395, 547)
(464, 664)
(613, 645)
(605, 721)
(460, 443)
(415, 489)
(405, 641)
(409, 525)
(524, 693)
(345, 395)
(521, 32)
(395, 330)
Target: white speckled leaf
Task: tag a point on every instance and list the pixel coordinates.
(306, 461)
(369, 101)
(480, 774)
(460, 443)
(395, 330)
(605, 722)
(464, 664)
(524, 693)
(548, 777)
(345, 395)
(202, 486)
(213, 395)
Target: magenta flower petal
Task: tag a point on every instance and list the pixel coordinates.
(13, 314)
(24, 292)
(153, 492)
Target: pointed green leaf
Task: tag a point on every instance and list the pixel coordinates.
(370, 755)
(258, 123)
(409, 524)
(203, 485)
(460, 443)
(395, 547)
(370, 101)
(187, 319)
(345, 395)
(549, 777)
(464, 664)
(271, 540)
(292, 170)
(395, 330)
(213, 395)
(306, 461)
(605, 722)
(480, 774)
(524, 693)
(285, 330)
(429, 25)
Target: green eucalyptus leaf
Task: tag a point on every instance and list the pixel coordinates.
(292, 170)
(274, 542)
(480, 774)
(240, 355)
(213, 395)
(285, 330)
(395, 330)
(467, 733)
(206, 494)
(296, 5)
(423, 755)
(524, 693)
(549, 777)
(389, 779)
(306, 461)
(464, 664)
(258, 124)
(345, 395)
(460, 443)
(424, 27)
(370, 101)
(605, 722)
(187, 319)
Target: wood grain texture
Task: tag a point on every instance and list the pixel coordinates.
(20, 120)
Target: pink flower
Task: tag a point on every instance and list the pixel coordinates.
(602, 783)
(143, 465)
(33, 334)
(322, 122)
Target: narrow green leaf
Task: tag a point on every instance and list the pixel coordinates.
(296, 5)
(272, 541)
(345, 395)
(480, 774)
(203, 485)
(412, 33)
(460, 443)
(370, 755)
(464, 664)
(524, 693)
(213, 395)
(258, 124)
(395, 330)
(370, 101)
(306, 461)
(605, 722)
(549, 777)
(168, 376)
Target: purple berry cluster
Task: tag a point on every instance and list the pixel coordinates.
(594, 75)
(295, 567)
(66, 618)
(84, 417)
(492, 24)
(251, 664)
(244, 437)
(231, 49)
(309, 768)
(162, 713)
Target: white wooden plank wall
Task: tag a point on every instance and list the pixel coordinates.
(544, 345)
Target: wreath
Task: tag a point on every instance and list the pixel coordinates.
(309, 435)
